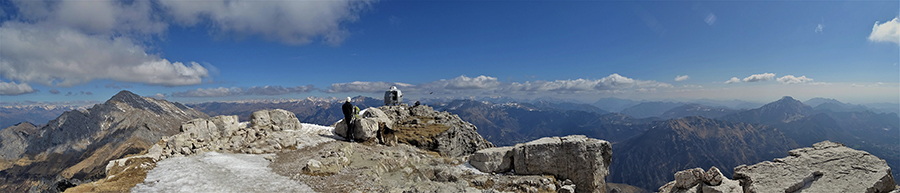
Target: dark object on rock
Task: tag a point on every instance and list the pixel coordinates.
(417, 104)
(61, 186)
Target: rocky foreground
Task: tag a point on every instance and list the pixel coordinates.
(825, 167)
(416, 149)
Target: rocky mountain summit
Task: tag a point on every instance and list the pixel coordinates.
(419, 126)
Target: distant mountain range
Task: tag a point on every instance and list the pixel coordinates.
(35, 114)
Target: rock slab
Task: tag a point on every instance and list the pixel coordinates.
(825, 167)
(583, 160)
(493, 160)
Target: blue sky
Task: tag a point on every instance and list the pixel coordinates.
(193, 51)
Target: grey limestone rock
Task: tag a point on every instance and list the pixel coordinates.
(493, 160)
(14, 140)
(459, 139)
(696, 180)
(725, 186)
(583, 160)
(268, 131)
(688, 178)
(825, 167)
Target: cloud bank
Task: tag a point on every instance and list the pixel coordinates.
(681, 78)
(487, 84)
(239, 91)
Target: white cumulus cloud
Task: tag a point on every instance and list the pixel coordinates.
(365, 87)
(886, 32)
(11, 88)
(65, 57)
(759, 77)
(790, 79)
(733, 80)
(291, 22)
(681, 78)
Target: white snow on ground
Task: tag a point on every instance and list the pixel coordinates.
(225, 172)
(468, 167)
(217, 172)
(316, 134)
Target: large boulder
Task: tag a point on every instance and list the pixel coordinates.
(274, 120)
(583, 160)
(493, 160)
(365, 127)
(825, 167)
(427, 129)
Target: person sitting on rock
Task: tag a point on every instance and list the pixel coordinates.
(347, 109)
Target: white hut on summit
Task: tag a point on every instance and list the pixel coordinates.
(393, 96)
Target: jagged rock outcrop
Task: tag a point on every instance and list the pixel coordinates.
(268, 131)
(419, 126)
(13, 140)
(697, 181)
(583, 160)
(824, 167)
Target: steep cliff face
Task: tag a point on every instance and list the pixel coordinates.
(78, 144)
(649, 160)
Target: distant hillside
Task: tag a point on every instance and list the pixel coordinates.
(615, 104)
(649, 109)
(510, 123)
(785, 110)
(37, 114)
(649, 160)
(696, 110)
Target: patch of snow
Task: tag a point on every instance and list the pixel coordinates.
(468, 167)
(217, 172)
(362, 111)
(315, 134)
